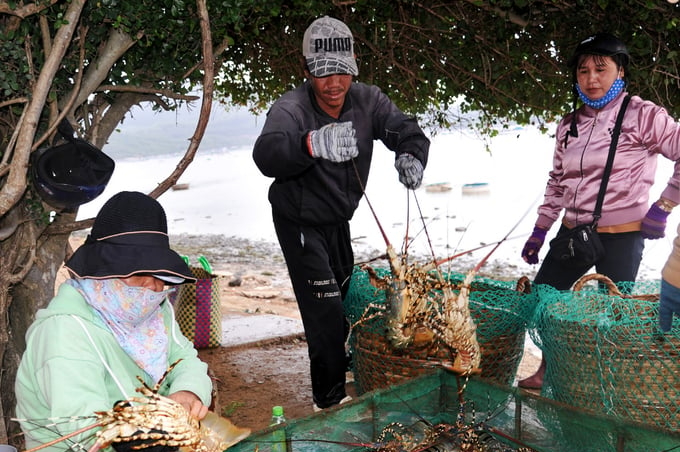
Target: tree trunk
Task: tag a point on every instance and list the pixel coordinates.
(19, 302)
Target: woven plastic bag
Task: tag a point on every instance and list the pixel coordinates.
(197, 307)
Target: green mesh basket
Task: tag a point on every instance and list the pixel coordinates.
(605, 352)
(500, 311)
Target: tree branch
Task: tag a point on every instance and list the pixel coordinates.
(66, 228)
(146, 90)
(18, 100)
(69, 103)
(25, 10)
(27, 239)
(116, 45)
(16, 179)
(206, 105)
(4, 166)
(218, 51)
(208, 87)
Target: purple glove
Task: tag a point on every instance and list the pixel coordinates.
(533, 245)
(654, 223)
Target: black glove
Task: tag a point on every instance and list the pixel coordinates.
(335, 142)
(139, 444)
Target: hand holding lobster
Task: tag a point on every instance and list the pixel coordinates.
(191, 403)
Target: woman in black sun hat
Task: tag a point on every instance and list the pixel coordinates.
(110, 323)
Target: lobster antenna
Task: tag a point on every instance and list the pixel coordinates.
(483, 261)
(408, 222)
(370, 206)
(427, 234)
(477, 248)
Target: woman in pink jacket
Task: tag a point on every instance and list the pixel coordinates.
(600, 67)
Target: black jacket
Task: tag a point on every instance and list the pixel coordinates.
(317, 191)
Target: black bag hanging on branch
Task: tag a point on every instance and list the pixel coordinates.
(581, 246)
(72, 173)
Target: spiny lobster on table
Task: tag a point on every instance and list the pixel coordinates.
(158, 420)
(421, 436)
(414, 433)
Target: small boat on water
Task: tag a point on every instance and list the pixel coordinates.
(438, 187)
(476, 188)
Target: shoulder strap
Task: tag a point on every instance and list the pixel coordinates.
(101, 357)
(610, 161)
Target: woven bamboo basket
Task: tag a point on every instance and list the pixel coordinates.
(611, 358)
(377, 364)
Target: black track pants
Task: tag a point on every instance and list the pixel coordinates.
(320, 261)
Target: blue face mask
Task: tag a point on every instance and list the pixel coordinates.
(613, 91)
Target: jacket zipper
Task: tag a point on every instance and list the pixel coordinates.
(583, 152)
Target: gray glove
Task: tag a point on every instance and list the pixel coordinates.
(410, 171)
(334, 142)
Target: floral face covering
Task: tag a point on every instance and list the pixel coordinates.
(613, 91)
(134, 317)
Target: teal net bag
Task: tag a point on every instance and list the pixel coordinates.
(605, 352)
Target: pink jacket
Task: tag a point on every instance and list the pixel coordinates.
(578, 167)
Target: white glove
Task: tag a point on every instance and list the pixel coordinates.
(335, 142)
(410, 171)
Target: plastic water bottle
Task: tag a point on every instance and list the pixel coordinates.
(279, 435)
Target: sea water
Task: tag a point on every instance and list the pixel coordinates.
(228, 195)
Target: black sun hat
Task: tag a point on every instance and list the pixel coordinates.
(129, 237)
(605, 44)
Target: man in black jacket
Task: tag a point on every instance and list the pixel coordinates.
(317, 144)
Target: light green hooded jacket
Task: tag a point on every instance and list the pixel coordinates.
(73, 367)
